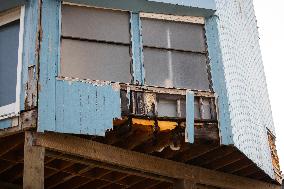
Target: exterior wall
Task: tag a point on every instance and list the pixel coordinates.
(58, 100)
(245, 86)
(28, 87)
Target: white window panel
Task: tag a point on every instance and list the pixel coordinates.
(95, 24)
(96, 61)
(11, 45)
(175, 69)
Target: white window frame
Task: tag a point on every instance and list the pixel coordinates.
(13, 109)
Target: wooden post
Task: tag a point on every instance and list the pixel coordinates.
(33, 164)
(184, 184)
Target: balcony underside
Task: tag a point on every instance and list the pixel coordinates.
(66, 171)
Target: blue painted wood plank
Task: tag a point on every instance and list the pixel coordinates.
(190, 8)
(204, 4)
(137, 54)
(218, 79)
(49, 56)
(85, 108)
(190, 116)
(30, 47)
(5, 123)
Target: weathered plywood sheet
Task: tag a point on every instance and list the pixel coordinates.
(85, 108)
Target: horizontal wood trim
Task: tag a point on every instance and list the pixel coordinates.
(188, 19)
(105, 153)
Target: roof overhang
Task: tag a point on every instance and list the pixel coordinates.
(8, 4)
(204, 8)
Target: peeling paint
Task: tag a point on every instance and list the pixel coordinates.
(31, 88)
(189, 117)
(85, 108)
(30, 55)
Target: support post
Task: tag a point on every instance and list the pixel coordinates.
(184, 184)
(33, 164)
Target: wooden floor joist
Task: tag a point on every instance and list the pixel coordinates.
(141, 162)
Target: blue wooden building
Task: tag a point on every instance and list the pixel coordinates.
(133, 94)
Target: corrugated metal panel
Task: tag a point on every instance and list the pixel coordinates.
(249, 108)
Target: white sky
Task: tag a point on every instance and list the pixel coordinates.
(271, 28)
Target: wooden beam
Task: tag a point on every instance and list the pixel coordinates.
(26, 121)
(6, 185)
(87, 162)
(142, 162)
(33, 164)
(195, 151)
(184, 184)
(9, 143)
(162, 139)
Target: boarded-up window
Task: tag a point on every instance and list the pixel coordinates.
(95, 44)
(9, 42)
(174, 54)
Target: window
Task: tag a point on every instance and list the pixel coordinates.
(11, 38)
(174, 54)
(95, 44)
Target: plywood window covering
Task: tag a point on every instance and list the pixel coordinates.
(95, 44)
(11, 39)
(174, 53)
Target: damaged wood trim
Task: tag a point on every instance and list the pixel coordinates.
(274, 156)
(108, 154)
(153, 89)
(10, 16)
(188, 19)
(26, 121)
(31, 88)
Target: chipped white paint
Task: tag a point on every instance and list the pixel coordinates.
(188, 19)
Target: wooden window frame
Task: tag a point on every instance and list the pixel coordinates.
(178, 19)
(7, 17)
(97, 41)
